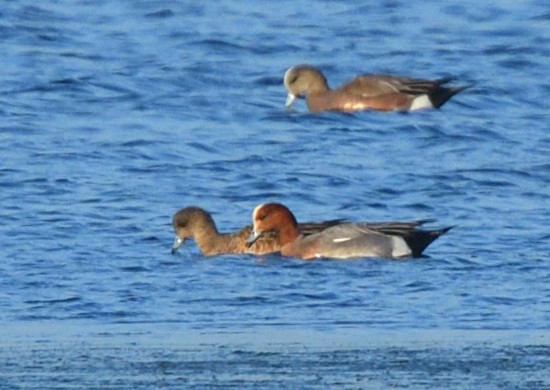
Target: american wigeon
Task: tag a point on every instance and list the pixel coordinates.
(196, 223)
(366, 92)
(393, 240)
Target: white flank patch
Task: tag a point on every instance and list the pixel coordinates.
(344, 239)
(421, 102)
(400, 248)
(353, 106)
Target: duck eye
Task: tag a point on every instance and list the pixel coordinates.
(182, 222)
(261, 217)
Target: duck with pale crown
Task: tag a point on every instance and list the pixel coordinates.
(366, 92)
(197, 224)
(391, 240)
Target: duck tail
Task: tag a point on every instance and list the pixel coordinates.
(440, 95)
(421, 239)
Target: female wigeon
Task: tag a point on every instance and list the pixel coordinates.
(366, 92)
(393, 240)
(196, 223)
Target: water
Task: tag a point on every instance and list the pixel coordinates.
(115, 115)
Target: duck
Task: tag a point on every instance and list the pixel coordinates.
(379, 92)
(343, 240)
(197, 224)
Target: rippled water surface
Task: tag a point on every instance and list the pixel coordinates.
(114, 115)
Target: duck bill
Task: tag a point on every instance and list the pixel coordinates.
(254, 236)
(289, 100)
(178, 241)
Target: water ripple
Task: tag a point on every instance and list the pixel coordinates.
(116, 116)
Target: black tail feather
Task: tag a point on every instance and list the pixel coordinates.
(419, 240)
(439, 96)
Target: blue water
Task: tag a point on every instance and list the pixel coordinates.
(114, 115)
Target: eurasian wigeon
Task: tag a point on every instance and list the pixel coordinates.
(196, 223)
(393, 240)
(366, 92)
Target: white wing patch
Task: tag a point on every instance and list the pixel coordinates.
(343, 239)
